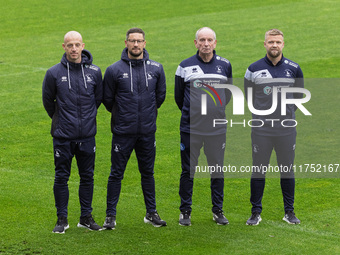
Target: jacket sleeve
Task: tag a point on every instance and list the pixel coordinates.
(99, 89)
(161, 88)
(230, 81)
(49, 93)
(179, 88)
(248, 83)
(299, 82)
(109, 89)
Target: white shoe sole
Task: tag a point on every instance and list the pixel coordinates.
(108, 228)
(185, 225)
(83, 226)
(254, 224)
(220, 223)
(67, 227)
(153, 224)
(292, 223)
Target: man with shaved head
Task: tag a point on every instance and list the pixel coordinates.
(72, 92)
(73, 54)
(197, 77)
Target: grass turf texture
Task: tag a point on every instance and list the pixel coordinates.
(31, 34)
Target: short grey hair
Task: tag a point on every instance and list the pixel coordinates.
(199, 30)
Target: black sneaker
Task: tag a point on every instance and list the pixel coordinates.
(219, 218)
(89, 223)
(291, 218)
(110, 222)
(254, 219)
(154, 219)
(185, 218)
(61, 225)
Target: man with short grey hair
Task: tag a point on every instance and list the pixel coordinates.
(197, 131)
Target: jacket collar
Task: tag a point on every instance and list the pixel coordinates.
(200, 59)
(271, 63)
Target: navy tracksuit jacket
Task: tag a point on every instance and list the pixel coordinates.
(133, 92)
(197, 130)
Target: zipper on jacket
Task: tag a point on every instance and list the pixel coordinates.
(78, 89)
(131, 79)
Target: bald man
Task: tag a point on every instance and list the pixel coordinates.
(71, 93)
(194, 78)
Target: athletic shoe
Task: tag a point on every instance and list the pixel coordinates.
(291, 218)
(254, 219)
(185, 218)
(154, 219)
(219, 218)
(110, 222)
(61, 225)
(89, 223)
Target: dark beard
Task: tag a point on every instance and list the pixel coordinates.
(135, 55)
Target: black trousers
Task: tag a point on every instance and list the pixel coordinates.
(145, 149)
(64, 151)
(284, 147)
(214, 147)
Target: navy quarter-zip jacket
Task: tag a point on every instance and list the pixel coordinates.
(188, 97)
(262, 76)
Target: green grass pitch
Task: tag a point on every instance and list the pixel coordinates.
(31, 34)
